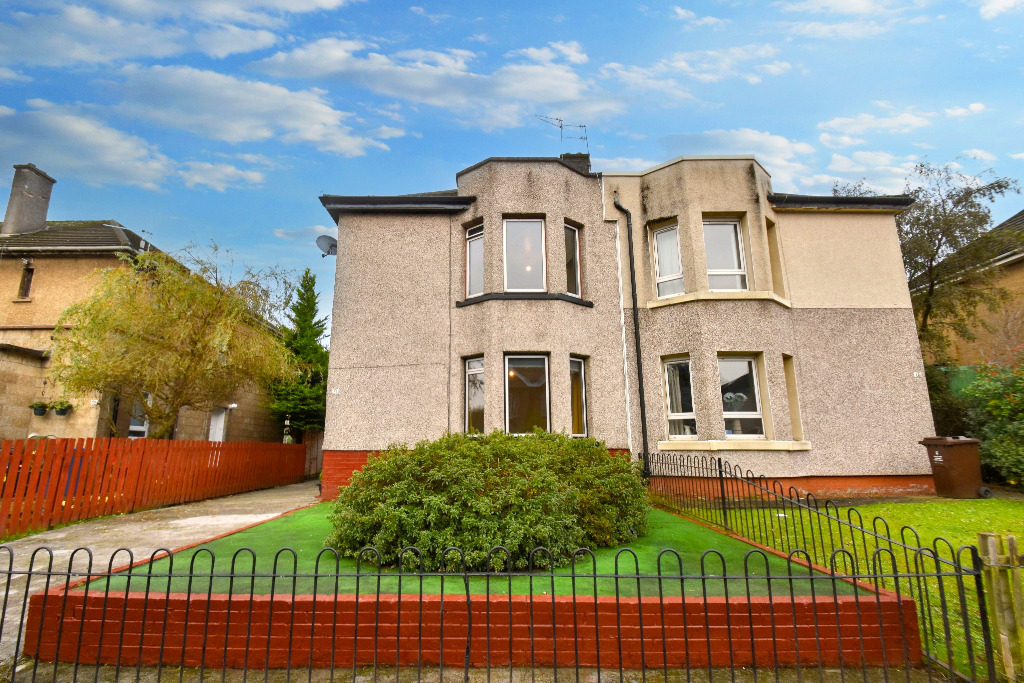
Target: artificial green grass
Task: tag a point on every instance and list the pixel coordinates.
(697, 563)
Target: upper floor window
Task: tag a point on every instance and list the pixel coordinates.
(526, 394)
(723, 243)
(578, 389)
(524, 256)
(474, 261)
(475, 395)
(572, 260)
(741, 402)
(668, 267)
(682, 423)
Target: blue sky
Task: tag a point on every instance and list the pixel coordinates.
(187, 120)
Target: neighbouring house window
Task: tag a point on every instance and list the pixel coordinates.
(475, 395)
(524, 256)
(526, 394)
(578, 390)
(682, 423)
(668, 267)
(572, 260)
(741, 404)
(723, 243)
(138, 425)
(25, 288)
(474, 261)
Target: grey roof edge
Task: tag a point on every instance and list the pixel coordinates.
(803, 202)
(685, 157)
(338, 205)
(525, 160)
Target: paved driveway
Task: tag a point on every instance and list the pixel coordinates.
(142, 533)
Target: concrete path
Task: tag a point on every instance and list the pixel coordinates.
(141, 532)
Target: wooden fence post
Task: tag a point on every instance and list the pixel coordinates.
(1003, 576)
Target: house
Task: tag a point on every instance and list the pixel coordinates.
(45, 266)
(1001, 332)
(772, 330)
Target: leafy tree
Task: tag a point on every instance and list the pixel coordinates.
(304, 398)
(166, 337)
(947, 249)
(1000, 389)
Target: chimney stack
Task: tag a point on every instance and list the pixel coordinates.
(29, 202)
(579, 161)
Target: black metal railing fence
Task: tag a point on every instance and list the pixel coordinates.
(941, 578)
(246, 617)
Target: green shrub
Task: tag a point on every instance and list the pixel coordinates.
(1000, 389)
(478, 492)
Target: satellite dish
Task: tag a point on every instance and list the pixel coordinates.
(328, 245)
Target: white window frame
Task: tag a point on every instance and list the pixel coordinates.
(547, 389)
(759, 414)
(579, 268)
(658, 279)
(473, 234)
(741, 249)
(543, 250)
(669, 415)
(466, 373)
(583, 380)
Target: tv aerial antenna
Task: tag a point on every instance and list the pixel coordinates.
(580, 130)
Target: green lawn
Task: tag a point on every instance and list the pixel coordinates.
(957, 521)
(304, 531)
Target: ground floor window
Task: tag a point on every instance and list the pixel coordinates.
(475, 395)
(741, 402)
(526, 394)
(578, 391)
(682, 423)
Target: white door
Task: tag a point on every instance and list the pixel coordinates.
(217, 416)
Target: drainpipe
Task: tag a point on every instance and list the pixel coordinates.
(636, 337)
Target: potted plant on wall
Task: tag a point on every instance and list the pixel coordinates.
(61, 406)
(38, 407)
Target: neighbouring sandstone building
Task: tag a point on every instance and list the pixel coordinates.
(774, 330)
(45, 266)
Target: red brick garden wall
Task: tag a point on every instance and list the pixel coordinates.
(274, 632)
(337, 470)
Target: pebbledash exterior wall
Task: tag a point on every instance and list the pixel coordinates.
(826, 318)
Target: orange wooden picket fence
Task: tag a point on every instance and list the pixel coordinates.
(49, 482)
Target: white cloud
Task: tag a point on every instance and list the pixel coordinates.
(572, 51)
(502, 98)
(975, 108)
(480, 38)
(433, 18)
(869, 123)
(218, 176)
(234, 110)
(990, 9)
(641, 79)
(843, 30)
(252, 12)
(622, 164)
(67, 143)
(12, 75)
(79, 35)
(229, 40)
(694, 21)
(839, 141)
(979, 154)
(856, 7)
(775, 68)
(781, 156)
(884, 172)
(1017, 156)
(711, 66)
(309, 233)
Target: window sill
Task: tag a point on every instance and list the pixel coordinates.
(734, 445)
(524, 296)
(719, 296)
